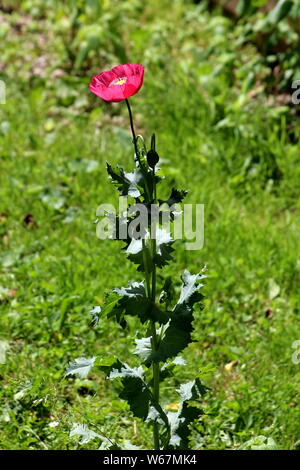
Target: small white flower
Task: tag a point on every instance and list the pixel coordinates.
(53, 424)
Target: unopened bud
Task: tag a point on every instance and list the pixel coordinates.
(152, 158)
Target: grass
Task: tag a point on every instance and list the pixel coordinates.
(238, 157)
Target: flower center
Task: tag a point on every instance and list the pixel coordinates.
(118, 81)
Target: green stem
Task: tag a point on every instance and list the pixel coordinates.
(155, 342)
(151, 293)
(146, 266)
(150, 288)
(156, 378)
(154, 186)
(132, 129)
(155, 365)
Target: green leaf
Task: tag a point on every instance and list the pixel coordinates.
(168, 368)
(23, 390)
(176, 197)
(181, 420)
(127, 183)
(136, 184)
(174, 340)
(84, 432)
(88, 435)
(179, 361)
(260, 443)
(179, 425)
(177, 335)
(95, 314)
(192, 390)
(4, 347)
(167, 293)
(274, 289)
(143, 349)
(163, 249)
(133, 301)
(189, 291)
(134, 388)
(243, 7)
(154, 416)
(280, 11)
(80, 367)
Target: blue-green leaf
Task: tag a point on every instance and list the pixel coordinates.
(84, 432)
(95, 314)
(127, 183)
(177, 333)
(80, 367)
(163, 250)
(181, 420)
(134, 388)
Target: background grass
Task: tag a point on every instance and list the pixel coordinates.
(231, 143)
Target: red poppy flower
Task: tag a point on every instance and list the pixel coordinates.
(119, 83)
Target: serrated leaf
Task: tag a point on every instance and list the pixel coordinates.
(177, 335)
(135, 246)
(88, 435)
(80, 367)
(176, 197)
(192, 390)
(134, 389)
(133, 301)
(154, 416)
(135, 184)
(163, 249)
(137, 397)
(181, 420)
(126, 371)
(179, 426)
(95, 314)
(127, 183)
(84, 432)
(189, 291)
(143, 348)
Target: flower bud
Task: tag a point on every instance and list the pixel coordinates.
(152, 158)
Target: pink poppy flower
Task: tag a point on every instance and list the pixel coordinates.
(119, 83)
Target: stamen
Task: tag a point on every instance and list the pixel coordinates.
(118, 81)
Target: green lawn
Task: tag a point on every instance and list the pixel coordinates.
(237, 154)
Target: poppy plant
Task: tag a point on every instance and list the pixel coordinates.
(119, 83)
(167, 322)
